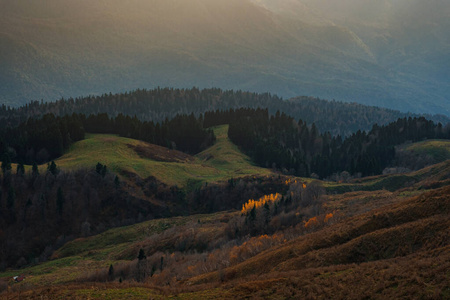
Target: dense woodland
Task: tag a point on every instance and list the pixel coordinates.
(40, 140)
(40, 211)
(158, 104)
(282, 143)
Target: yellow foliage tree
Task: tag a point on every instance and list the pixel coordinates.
(272, 198)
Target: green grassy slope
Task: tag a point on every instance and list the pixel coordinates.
(220, 162)
(439, 150)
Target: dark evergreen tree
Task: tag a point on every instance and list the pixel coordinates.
(6, 163)
(51, 167)
(111, 273)
(141, 254)
(20, 169)
(34, 170)
(98, 168)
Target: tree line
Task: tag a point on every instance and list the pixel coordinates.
(274, 141)
(157, 104)
(279, 142)
(39, 140)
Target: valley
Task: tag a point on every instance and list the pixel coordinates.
(224, 149)
(393, 227)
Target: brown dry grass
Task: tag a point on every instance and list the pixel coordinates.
(158, 153)
(398, 229)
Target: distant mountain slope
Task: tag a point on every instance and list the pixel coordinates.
(51, 49)
(407, 38)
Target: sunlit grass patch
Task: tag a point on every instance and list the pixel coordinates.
(220, 162)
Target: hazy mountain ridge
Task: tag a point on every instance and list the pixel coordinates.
(51, 49)
(158, 104)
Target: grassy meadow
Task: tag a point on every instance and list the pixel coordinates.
(220, 162)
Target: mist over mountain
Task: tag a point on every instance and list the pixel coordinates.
(389, 53)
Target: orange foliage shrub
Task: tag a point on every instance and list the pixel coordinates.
(318, 220)
(289, 181)
(311, 222)
(272, 198)
(328, 217)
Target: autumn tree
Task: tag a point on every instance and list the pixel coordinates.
(312, 194)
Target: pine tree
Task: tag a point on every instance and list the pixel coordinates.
(141, 255)
(52, 168)
(98, 168)
(35, 170)
(20, 169)
(111, 273)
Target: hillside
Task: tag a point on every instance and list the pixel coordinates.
(132, 157)
(418, 155)
(158, 104)
(106, 181)
(380, 244)
(88, 48)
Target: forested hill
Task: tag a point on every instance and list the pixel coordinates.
(283, 143)
(158, 104)
(44, 139)
(341, 118)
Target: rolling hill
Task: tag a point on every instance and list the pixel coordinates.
(417, 155)
(380, 244)
(52, 49)
(126, 156)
